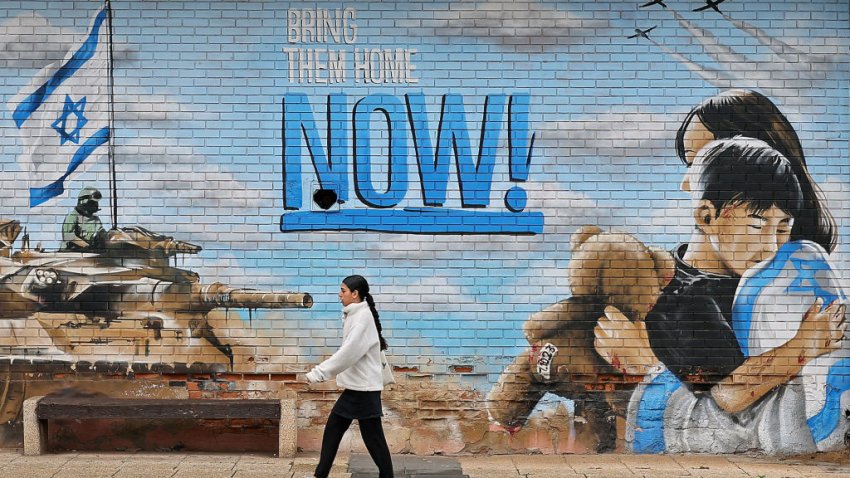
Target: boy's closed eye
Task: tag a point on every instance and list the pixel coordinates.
(758, 222)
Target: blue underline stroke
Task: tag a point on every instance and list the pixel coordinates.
(415, 221)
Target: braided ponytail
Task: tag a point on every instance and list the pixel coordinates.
(359, 284)
(371, 302)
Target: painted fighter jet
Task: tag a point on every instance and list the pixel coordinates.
(712, 4)
(642, 33)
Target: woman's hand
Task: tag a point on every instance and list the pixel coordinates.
(821, 331)
(313, 376)
(624, 344)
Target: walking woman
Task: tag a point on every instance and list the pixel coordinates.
(357, 367)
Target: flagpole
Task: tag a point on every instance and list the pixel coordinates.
(113, 183)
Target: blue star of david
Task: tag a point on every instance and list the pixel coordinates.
(806, 280)
(77, 109)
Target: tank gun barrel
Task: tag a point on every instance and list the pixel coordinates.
(218, 295)
(184, 247)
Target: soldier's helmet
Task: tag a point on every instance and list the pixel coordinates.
(89, 196)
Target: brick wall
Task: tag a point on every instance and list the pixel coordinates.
(457, 148)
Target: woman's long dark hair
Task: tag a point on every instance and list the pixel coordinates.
(751, 114)
(359, 284)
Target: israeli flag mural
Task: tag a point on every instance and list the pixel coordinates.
(770, 302)
(63, 113)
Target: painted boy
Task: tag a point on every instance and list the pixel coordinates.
(705, 395)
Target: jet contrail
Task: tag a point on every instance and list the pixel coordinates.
(742, 71)
(715, 77)
(721, 53)
(786, 52)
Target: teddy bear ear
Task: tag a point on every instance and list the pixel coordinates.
(664, 264)
(582, 235)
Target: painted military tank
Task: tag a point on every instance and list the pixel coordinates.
(125, 301)
(120, 309)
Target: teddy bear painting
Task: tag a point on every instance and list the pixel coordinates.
(606, 269)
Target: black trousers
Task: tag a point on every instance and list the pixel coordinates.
(373, 437)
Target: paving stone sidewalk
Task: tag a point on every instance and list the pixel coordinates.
(198, 465)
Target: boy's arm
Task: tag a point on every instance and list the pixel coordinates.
(820, 333)
(699, 348)
(624, 344)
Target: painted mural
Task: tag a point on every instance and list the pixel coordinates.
(590, 226)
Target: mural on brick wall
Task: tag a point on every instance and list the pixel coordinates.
(725, 333)
(589, 227)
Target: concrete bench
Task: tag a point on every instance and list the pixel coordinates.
(38, 410)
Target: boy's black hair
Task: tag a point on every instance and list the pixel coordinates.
(747, 171)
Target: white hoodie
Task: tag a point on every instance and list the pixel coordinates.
(357, 363)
